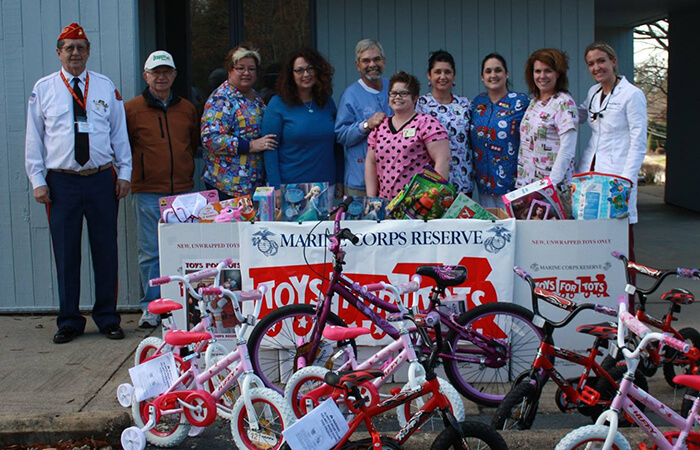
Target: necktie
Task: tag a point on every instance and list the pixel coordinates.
(82, 140)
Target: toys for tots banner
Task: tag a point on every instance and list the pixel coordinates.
(276, 254)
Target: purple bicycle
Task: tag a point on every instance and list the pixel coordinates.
(483, 349)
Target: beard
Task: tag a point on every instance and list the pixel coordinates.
(373, 75)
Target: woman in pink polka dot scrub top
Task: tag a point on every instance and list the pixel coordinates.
(404, 143)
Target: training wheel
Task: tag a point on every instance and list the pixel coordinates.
(125, 393)
(133, 439)
(195, 431)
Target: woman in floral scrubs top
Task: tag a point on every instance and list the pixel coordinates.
(549, 129)
(454, 113)
(231, 126)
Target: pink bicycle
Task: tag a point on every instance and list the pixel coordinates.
(600, 436)
(258, 416)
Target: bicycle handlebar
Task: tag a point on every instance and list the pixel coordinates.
(159, 281)
(345, 233)
(688, 273)
(238, 296)
(641, 330)
(521, 273)
(195, 276)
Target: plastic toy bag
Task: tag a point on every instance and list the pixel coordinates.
(599, 196)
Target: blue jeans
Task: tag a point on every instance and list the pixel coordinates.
(147, 213)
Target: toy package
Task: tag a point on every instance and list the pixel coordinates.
(264, 201)
(536, 201)
(305, 201)
(427, 196)
(599, 196)
(185, 208)
(366, 208)
(223, 211)
(465, 208)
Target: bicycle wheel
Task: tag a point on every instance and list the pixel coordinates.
(148, 347)
(474, 435)
(170, 430)
(512, 341)
(213, 354)
(272, 415)
(274, 344)
(406, 411)
(518, 409)
(302, 382)
(676, 363)
(591, 437)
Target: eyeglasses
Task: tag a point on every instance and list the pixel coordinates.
(161, 73)
(72, 48)
(300, 70)
(402, 94)
(241, 69)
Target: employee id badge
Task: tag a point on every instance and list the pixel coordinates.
(409, 132)
(83, 125)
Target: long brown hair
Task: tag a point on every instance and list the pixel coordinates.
(323, 88)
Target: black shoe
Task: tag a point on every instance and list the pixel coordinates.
(65, 334)
(113, 331)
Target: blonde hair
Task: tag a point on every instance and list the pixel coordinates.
(238, 53)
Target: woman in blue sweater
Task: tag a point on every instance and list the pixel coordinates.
(302, 115)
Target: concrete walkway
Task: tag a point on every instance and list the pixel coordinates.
(50, 392)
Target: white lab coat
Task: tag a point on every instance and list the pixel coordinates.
(619, 140)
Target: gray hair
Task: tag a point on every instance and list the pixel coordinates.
(366, 44)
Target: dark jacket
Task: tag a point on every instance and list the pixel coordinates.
(163, 142)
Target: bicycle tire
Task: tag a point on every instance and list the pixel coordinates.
(272, 358)
(476, 435)
(608, 392)
(168, 432)
(690, 335)
(519, 408)
(148, 347)
(688, 403)
(580, 438)
(434, 423)
(488, 386)
(295, 387)
(273, 417)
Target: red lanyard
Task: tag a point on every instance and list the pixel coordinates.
(72, 92)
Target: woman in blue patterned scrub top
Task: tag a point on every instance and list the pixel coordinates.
(454, 113)
(495, 132)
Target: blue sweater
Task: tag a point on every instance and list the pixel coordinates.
(306, 150)
(358, 104)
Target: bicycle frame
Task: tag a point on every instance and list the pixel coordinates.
(543, 365)
(436, 401)
(624, 401)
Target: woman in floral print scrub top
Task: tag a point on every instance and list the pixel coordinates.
(231, 126)
(454, 113)
(549, 129)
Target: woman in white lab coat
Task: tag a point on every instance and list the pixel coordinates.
(617, 114)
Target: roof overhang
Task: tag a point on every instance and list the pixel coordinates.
(631, 13)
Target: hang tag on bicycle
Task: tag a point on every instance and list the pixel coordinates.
(454, 304)
(320, 429)
(154, 376)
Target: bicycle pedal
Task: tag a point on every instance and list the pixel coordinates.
(589, 396)
(643, 446)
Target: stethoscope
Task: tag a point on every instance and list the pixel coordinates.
(595, 114)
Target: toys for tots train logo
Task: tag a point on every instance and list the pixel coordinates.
(586, 285)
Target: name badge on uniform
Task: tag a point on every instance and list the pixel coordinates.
(83, 125)
(409, 132)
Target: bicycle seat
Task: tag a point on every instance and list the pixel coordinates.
(348, 380)
(444, 276)
(336, 333)
(679, 296)
(691, 381)
(163, 306)
(605, 330)
(182, 337)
